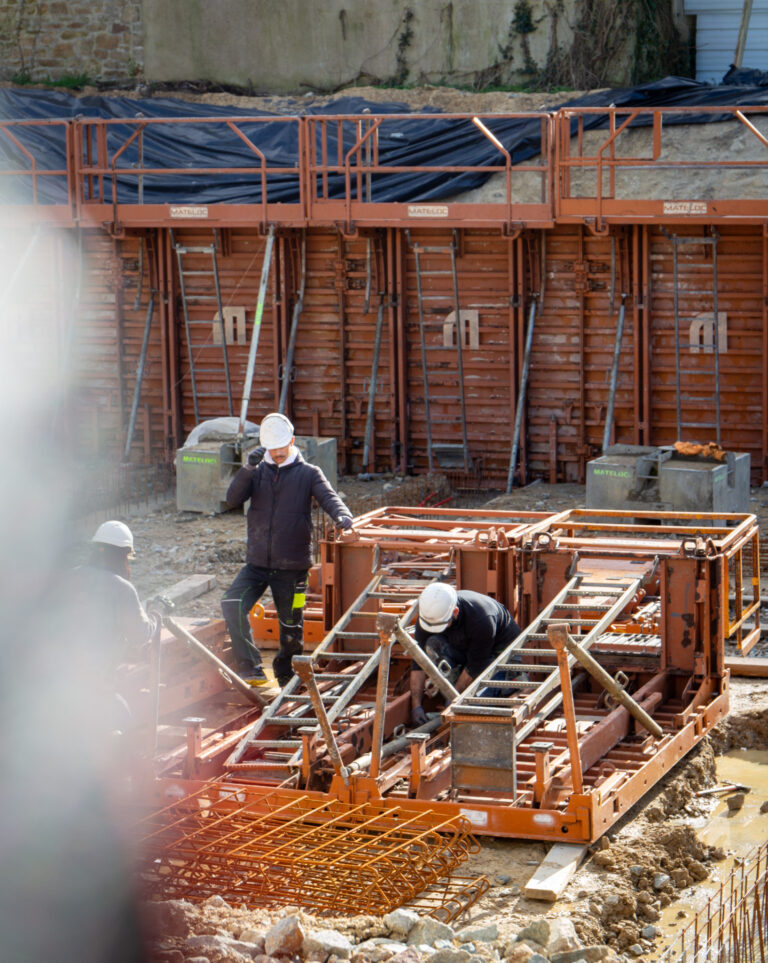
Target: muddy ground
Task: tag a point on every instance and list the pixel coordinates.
(613, 896)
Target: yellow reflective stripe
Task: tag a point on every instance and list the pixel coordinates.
(299, 599)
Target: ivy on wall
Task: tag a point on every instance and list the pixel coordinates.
(605, 33)
(404, 40)
(659, 47)
(609, 42)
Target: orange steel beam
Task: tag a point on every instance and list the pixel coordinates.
(568, 711)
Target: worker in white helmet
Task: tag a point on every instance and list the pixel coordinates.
(109, 573)
(465, 630)
(280, 487)
(105, 614)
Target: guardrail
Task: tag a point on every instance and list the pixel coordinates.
(593, 165)
(36, 170)
(128, 170)
(633, 164)
(360, 169)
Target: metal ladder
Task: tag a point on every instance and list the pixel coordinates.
(191, 298)
(275, 757)
(691, 392)
(448, 454)
(523, 706)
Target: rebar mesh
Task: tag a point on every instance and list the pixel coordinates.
(114, 489)
(733, 926)
(330, 857)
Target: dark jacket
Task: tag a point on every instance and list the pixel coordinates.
(103, 617)
(280, 513)
(482, 629)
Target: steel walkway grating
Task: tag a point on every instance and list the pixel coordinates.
(264, 849)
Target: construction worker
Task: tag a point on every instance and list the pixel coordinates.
(280, 486)
(464, 631)
(69, 852)
(107, 612)
(115, 598)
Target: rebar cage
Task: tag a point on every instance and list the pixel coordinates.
(264, 849)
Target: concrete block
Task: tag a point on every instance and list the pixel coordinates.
(189, 588)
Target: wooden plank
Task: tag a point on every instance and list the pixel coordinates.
(189, 588)
(555, 872)
(747, 666)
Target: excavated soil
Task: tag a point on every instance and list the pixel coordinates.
(447, 99)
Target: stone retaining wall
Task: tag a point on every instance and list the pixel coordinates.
(55, 39)
(292, 46)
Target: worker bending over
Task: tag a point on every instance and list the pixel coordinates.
(462, 628)
(281, 487)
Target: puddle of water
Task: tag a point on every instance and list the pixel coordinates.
(736, 832)
(740, 831)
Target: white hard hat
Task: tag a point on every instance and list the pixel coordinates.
(114, 533)
(436, 605)
(276, 431)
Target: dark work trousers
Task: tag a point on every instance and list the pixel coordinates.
(289, 589)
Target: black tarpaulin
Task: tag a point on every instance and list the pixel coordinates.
(211, 139)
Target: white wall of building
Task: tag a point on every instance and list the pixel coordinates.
(717, 34)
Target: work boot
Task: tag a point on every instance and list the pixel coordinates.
(254, 675)
(283, 680)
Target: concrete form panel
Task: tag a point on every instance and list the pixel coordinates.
(488, 305)
(239, 258)
(572, 352)
(335, 347)
(579, 277)
(741, 284)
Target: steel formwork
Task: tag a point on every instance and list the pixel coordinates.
(343, 351)
(328, 793)
(355, 368)
(547, 744)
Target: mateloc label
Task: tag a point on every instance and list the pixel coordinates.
(427, 210)
(685, 207)
(189, 211)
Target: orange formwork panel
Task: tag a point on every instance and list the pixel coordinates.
(330, 792)
(511, 753)
(584, 231)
